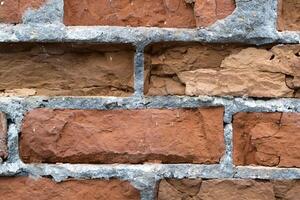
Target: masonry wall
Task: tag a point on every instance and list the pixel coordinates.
(161, 99)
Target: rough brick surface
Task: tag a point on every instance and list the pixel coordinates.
(11, 11)
(228, 190)
(43, 189)
(3, 136)
(268, 139)
(160, 13)
(66, 70)
(123, 136)
(217, 70)
(289, 15)
(120, 69)
(208, 12)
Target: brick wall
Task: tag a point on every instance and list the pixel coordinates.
(160, 99)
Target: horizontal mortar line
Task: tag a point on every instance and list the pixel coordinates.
(158, 170)
(116, 170)
(58, 32)
(236, 104)
(261, 172)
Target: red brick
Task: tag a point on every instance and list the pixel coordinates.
(23, 188)
(228, 189)
(69, 69)
(11, 11)
(288, 15)
(201, 69)
(160, 13)
(267, 139)
(208, 12)
(123, 136)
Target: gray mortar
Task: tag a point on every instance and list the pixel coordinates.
(50, 12)
(253, 22)
(144, 177)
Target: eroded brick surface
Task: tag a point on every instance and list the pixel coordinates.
(160, 13)
(268, 139)
(289, 15)
(228, 190)
(123, 136)
(66, 70)
(217, 70)
(23, 188)
(208, 12)
(11, 11)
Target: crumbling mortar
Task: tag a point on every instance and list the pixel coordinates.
(50, 12)
(227, 161)
(139, 72)
(17, 107)
(45, 25)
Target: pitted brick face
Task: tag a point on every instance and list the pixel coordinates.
(69, 69)
(228, 189)
(289, 15)
(123, 136)
(11, 11)
(149, 100)
(222, 70)
(17, 188)
(207, 12)
(267, 139)
(156, 13)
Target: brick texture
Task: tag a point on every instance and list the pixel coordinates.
(123, 136)
(149, 100)
(228, 189)
(268, 139)
(289, 15)
(23, 188)
(66, 70)
(218, 70)
(11, 11)
(159, 13)
(208, 12)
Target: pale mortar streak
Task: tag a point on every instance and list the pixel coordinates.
(259, 172)
(130, 35)
(17, 106)
(227, 161)
(139, 72)
(135, 173)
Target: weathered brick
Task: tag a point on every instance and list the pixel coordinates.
(268, 139)
(228, 189)
(208, 12)
(3, 137)
(23, 188)
(218, 70)
(66, 70)
(289, 15)
(160, 13)
(11, 11)
(123, 136)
